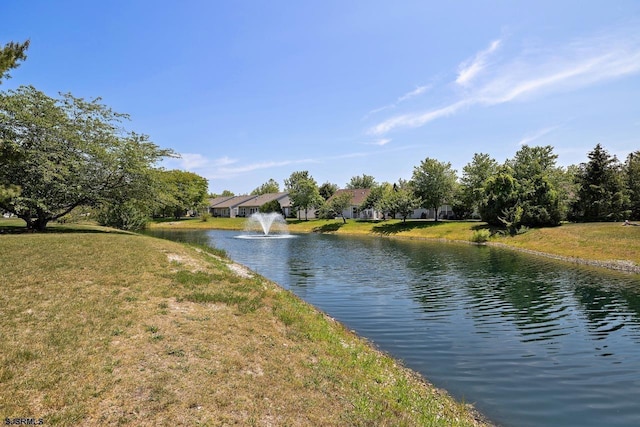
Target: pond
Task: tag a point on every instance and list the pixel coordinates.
(529, 341)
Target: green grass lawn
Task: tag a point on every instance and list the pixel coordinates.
(100, 327)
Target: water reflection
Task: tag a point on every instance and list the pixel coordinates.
(531, 341)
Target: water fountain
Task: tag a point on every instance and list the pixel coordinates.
(266, 225)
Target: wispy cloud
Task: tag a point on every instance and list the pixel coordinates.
(417, 119)
(533, 73)
(223, 161)
(262, 165)
(537, 135)
(190, 161)
(379, 142)
(471, 68)
(416, 92)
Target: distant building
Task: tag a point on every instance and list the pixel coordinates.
(244, 206)
(358, 196)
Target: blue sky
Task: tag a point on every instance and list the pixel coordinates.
(252, 90)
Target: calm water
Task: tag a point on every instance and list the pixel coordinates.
(529, 341)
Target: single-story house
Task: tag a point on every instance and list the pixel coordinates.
(358, 196)
(444, 212)
(245, 206)
(227, 207)
(252, 205)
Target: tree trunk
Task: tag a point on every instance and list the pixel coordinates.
(39, 224)
(435, 215)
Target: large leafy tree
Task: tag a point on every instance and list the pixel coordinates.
(340, 202)
(180, 191)
(303, 191)
(470, 194)
(534, 168)
(524, 190)
(532, 161)
(10, 56)
(501, 196)
(402, 201)
(433, 182)
(601, 195)
(375, 196)
(364, 181)
(58, 154)
(270, 186)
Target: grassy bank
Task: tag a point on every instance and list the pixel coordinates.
(608, 243)
(114, 328)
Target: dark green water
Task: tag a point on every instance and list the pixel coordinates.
(529, 341)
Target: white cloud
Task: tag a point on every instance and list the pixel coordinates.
(192, 161)
(262, 165)
(533, 73)
(537, 135)
(469, 69)
(416, 119)
(223, 161)
(416, 92)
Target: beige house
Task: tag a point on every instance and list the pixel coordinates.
(358, 196)
(226, 207)
(244, 206)
(252, 205)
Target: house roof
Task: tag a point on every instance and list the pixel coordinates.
(231, 202)
(215, 201)
(260, 200)
(248, 201)
(358, 195)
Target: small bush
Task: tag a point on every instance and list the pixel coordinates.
(480, 236)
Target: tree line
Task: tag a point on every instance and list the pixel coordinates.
(528, 190)
(58, 155)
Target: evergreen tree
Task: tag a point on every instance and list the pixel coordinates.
(632, 175)
(327, 190)
(534, 168)
(601, 195)
(10, 56)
